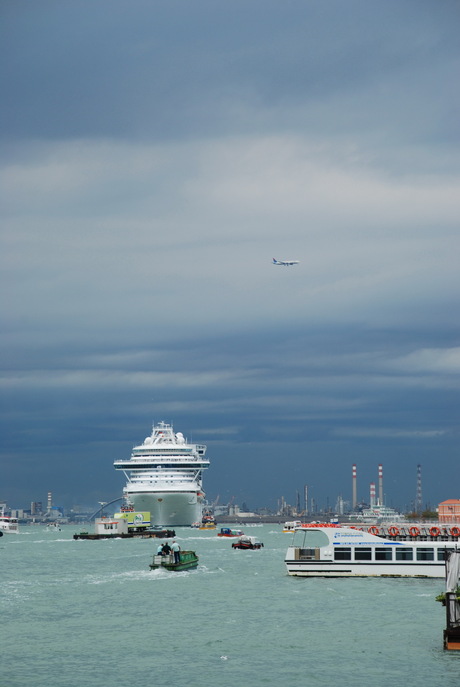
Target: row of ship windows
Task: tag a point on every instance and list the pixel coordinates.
(389, 553)
(167, 473)
(163, 480)
(156, 451)
(155, 466)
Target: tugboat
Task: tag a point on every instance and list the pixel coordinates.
(207, 521)
(187, 561)
(207, 525)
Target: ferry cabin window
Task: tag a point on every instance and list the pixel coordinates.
(364, 554)
(383, 554)
(342, 553)
(425, 554)
(310, 539)
(404, 553)
(442, 554)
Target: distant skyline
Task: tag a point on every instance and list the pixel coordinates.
(155, 157)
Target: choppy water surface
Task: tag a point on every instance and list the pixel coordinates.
(91, 613)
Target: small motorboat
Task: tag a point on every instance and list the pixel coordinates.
(208, 525)
(187, 561)
(289, 527)
(8, 525)
(53, 527)
(246, 542)
(227, 532)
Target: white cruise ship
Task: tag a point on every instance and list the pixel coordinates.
(164, 477)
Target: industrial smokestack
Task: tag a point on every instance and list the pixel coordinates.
(372, 494)
(380, 484)
(355, 498)
(50, 501)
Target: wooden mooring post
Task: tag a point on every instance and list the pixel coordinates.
(452, 631)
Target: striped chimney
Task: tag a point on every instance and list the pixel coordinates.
(372, 494)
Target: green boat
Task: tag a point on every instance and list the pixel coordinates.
(188, 560)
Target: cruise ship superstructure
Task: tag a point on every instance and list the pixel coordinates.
(164, 477)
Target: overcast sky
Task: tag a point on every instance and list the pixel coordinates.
(155, 157)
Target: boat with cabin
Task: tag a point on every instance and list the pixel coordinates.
(208, 525)
(289, 527)
(125, 525)
(53, 527)
(187, 561)
(8, 524)
(327, 550)
(228, 532)
(246, 542)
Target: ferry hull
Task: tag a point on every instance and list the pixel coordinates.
(328, 570)
(168, 509)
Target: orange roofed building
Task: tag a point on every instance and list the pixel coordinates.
(449, 511)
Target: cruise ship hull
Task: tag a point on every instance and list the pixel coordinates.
(179, 509)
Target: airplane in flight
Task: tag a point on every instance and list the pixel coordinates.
(285, 263)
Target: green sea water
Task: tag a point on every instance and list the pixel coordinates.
(92, 614)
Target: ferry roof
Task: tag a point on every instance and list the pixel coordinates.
(340, 535)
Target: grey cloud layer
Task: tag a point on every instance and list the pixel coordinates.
(150, 70)
(156, 158)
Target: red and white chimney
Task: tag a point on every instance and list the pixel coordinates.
(372, 494)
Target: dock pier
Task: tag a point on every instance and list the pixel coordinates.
(452, 631)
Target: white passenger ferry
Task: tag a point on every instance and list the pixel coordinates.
(334, 551)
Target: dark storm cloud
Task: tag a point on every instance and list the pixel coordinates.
(253, 398)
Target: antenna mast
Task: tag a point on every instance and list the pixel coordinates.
(418, 500)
